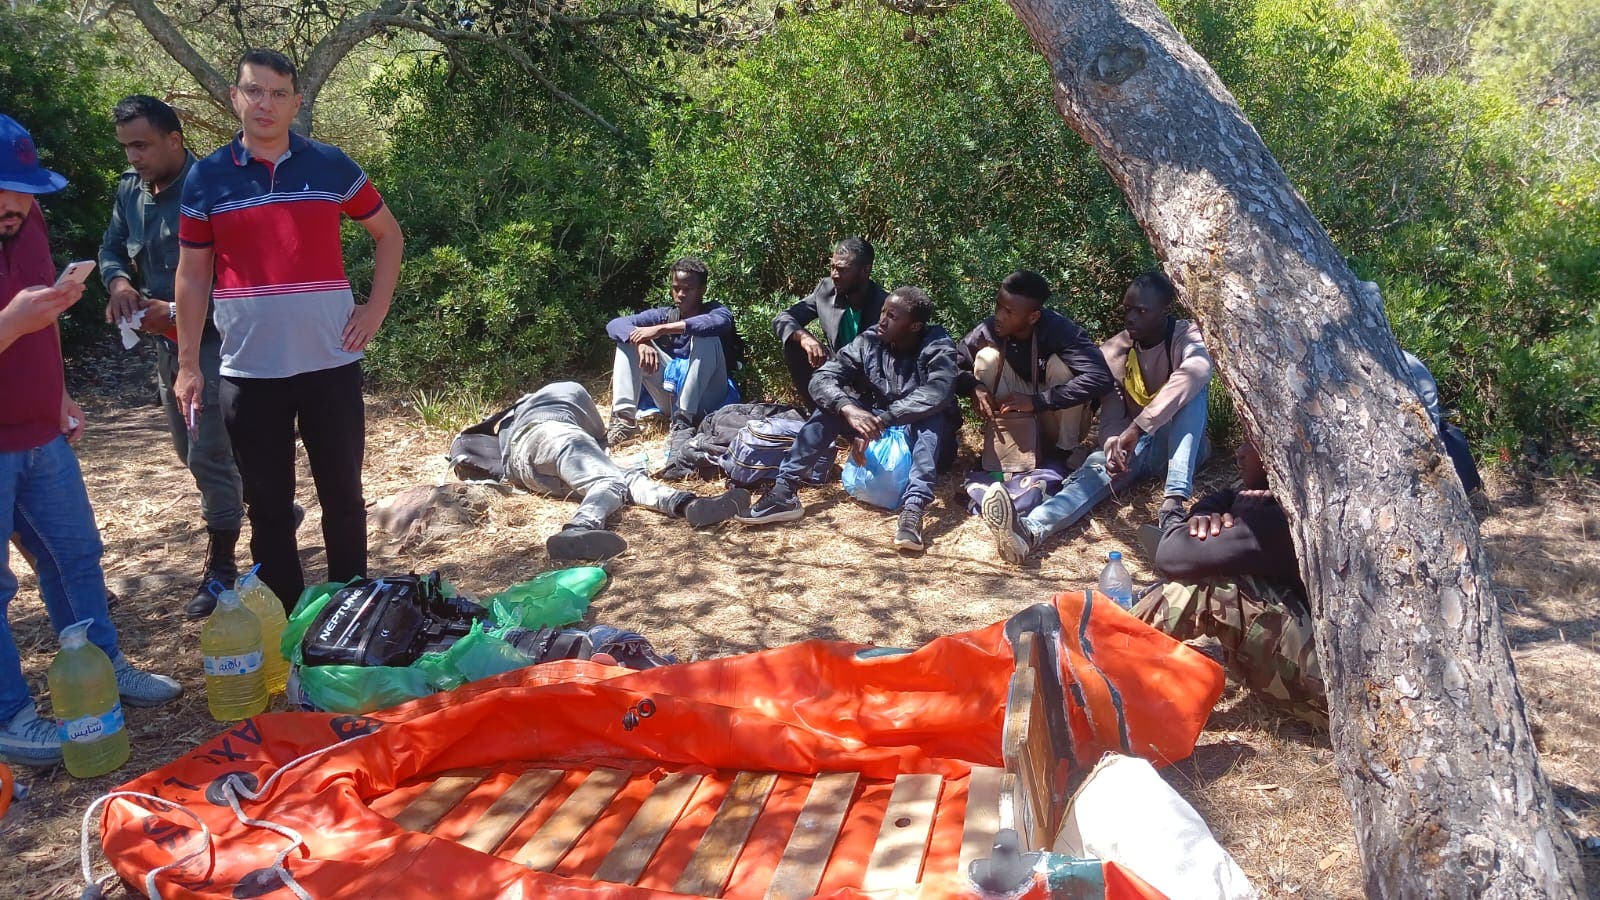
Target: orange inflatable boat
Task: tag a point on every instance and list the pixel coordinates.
(818, 769)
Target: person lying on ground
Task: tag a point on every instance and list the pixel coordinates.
(1232, 574)
(691, 329)
(1152, 421)
(844, 303)
(42, 495)
(553, 442)
(1026, 360)
(139, 267)
(901, 371)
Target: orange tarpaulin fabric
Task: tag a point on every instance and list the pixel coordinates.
(806, 708)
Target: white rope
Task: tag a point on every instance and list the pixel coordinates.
(232, 788)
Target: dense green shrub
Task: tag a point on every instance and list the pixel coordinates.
(944, 149)
(523, 225)
(53, 79)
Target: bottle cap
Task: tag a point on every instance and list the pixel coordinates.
(248, 580)
(76, 634)
(1114, 555)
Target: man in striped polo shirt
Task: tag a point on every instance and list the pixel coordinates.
(259, 231)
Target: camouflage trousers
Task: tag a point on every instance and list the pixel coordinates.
(1268, 644)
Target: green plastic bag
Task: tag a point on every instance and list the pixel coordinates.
(552, 599)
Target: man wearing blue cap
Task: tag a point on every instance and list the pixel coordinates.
(42, 496)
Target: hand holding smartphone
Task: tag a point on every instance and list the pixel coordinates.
(76, 271)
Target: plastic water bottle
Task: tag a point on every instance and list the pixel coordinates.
(84, 699)
(1115, 582)
(230, 644)
(259, 599)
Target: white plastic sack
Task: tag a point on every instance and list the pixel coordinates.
(1126, 813)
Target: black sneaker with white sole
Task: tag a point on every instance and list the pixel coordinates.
(579, 542)
(1011, 537)
(776, 505)
(622, 432)
(908, 535)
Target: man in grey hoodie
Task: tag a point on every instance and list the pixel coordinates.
(553, 441)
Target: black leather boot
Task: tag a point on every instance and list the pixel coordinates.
(221, 572)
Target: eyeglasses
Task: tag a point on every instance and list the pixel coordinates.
(255, 93)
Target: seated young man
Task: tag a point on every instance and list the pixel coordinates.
(692, 329)
(553, 442)
(1154, 420)
(845, 303)
(1234, 576)
(901, 371)
(1030, 360)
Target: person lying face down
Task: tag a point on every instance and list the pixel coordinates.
(901, 371)
(553, 442)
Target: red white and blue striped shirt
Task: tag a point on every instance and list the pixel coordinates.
(280, 295)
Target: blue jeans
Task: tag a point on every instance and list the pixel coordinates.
(1177, 447)
(43, 500)
(933, 449)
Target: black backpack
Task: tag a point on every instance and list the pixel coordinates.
(702, 454)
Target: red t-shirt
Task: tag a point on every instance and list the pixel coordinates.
(31, 378)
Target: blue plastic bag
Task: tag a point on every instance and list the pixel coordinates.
(673, 371)
(883, 479)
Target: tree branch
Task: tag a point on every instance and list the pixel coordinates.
(451, 35)
(166, 33)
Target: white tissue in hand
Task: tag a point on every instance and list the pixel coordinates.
(130, 329)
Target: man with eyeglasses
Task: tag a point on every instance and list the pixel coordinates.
(259, 232)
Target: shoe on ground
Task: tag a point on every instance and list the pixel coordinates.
(141, 688)
(204, 599)
(299, 515)
(621, 433)
(703, 511)
(776, 505)
(584, 544)
(908, 536)
(1011, 537)
(29, 740)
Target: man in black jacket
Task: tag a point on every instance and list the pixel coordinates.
(1028, 360)
(901, 371)
(845, 304)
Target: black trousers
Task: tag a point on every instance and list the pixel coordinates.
(800, 371)
(261, 415)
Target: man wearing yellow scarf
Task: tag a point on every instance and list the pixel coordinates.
(1154, 421)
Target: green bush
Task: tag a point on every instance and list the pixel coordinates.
(57, 85)
(524, 229)
(945, 150)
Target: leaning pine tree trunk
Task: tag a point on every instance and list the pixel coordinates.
(1428, 725)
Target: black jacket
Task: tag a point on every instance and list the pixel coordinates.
(898, 390)
(1258, 544)
(1057, 336)
(824, 304)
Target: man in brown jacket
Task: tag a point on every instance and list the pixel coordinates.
(1153, 420)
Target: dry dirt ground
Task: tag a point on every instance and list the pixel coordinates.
(1266, 784)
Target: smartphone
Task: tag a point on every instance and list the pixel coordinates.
(77, 271)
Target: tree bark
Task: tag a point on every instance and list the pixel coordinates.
(1428, 726)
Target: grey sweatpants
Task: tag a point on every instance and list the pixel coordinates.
(209, 456)
(549, 455)
(704, 387)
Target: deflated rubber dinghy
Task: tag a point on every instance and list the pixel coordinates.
(821, 768)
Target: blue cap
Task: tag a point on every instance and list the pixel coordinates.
(1115, 554)
(19, 162)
